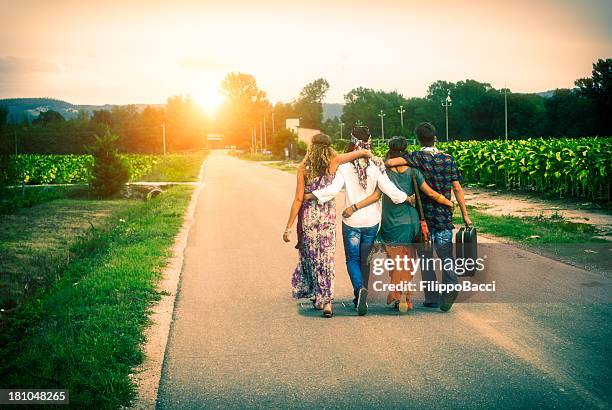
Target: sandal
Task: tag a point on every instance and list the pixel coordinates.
(317, 306)
(405, 305)
(327, 310)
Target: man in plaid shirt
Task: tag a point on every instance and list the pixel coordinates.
(442, 175)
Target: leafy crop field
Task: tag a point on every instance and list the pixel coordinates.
(565, 167)
(34, 169)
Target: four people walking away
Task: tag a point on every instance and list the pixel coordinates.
(441, 173)
(400, 223)
(316, 227)
(360, 178)
(394, 220)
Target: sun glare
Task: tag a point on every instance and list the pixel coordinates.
(209, 101)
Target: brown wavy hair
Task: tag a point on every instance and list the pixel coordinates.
(318, 156)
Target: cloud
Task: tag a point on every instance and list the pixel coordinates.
(17, 65)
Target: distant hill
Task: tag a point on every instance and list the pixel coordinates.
(332, 110)
(546, 94)
(550, 93)
(30, 108)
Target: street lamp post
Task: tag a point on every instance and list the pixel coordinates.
(447, 102)
(401, 113)
(382, 124)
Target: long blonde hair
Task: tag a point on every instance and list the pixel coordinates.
(318, 157)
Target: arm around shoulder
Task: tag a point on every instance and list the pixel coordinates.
(348, 157)
(330, 191)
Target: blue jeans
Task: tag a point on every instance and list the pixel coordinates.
(443, 245)
(354, 240)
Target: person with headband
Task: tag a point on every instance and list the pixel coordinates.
(316, 228)
(360, 178)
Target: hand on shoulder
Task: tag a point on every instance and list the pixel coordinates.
(365, 153)
(379, 163)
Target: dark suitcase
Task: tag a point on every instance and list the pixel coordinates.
(466, 246)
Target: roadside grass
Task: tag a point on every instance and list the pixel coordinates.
(84, 332)
(176, 168)
(287, 166)
(257, 157)
(12, 199)
(531, 230)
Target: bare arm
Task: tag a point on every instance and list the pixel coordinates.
(347, 157)
(395, 162)
(329, 192)
(297, 203)
(372, 198)
(458, 191)
(436, 196)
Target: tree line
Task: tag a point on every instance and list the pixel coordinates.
(477, 110)
(182, 121)
(248, 119)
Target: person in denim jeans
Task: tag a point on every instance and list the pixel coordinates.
(441, 173)
(442, 240)
(355, 241)
(360, 178)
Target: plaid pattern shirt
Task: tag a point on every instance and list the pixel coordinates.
(439, 170)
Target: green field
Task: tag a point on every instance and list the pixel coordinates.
(560, 167)
(66, 176)
(35, 169)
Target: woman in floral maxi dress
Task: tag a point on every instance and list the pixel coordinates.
(316, 228)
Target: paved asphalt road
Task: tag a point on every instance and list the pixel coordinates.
(239, 340)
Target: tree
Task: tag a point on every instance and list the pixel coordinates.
(569, 114)
(123, 116)
(281, 140)
(526, 116)
(598, 89)
(109, 173)
(331, 127)
(363, 106)
(243, 110)
(282, 111)
(49, 117)
(4, 112)
(4, 148)
(309, 104)
(186, 123)
(101, 117)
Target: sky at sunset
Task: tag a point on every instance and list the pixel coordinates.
(95, 52)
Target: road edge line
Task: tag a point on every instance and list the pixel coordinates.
(147, 375)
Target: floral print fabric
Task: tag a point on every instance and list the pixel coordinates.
(314, 274)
